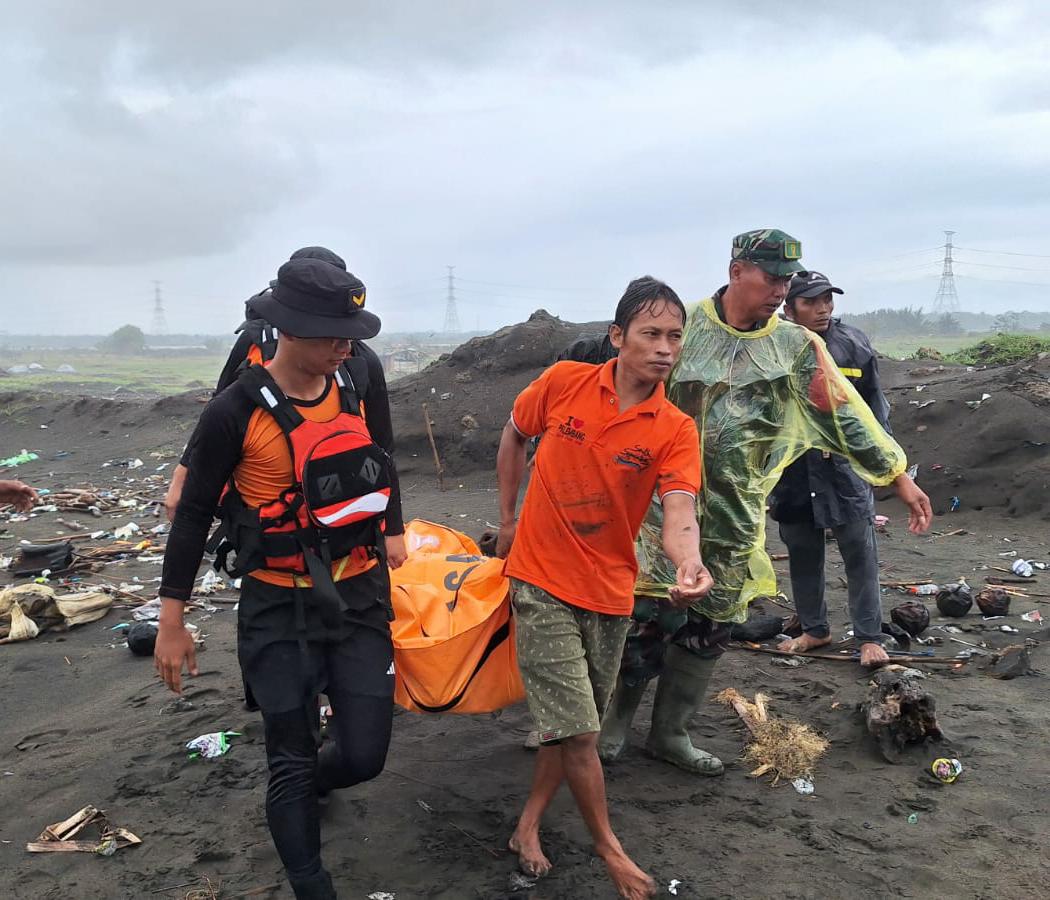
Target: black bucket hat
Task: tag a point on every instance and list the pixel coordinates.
(313, 298)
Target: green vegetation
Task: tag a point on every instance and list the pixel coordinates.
(127, 340)
(905, 347)
(96, 371)
(1001, 349)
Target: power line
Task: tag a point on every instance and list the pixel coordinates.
(526, 287)
(1005, 252)
(997, 266)
(1042, 284)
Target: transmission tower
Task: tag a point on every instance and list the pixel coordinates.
(451, 316)
(160, 324)
(947, 300)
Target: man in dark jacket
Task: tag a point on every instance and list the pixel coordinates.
(820, 490)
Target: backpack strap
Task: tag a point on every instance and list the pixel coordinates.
(263, 335)
(264, 392)
(352, 379)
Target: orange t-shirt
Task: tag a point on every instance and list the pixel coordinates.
(595, 473)
(265, 470)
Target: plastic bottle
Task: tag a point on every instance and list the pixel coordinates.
(924, 590)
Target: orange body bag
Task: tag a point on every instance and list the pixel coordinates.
(453, 630)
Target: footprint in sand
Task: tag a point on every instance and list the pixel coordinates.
(41, 739)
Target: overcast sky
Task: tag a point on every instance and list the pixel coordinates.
(549, 151)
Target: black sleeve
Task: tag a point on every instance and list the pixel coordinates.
(238, 354)
(217, 445)
(230, 371)
(870, 388)
(377, 414)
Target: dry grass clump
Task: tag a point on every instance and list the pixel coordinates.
(785, 748)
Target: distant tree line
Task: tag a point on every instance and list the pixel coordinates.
(908, 321)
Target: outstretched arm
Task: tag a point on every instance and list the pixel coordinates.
(681, 540)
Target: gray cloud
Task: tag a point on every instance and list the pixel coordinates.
(557, 148)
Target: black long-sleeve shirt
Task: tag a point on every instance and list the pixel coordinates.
(214, 451)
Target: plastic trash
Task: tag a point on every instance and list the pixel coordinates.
(924, 590)
(1022, 567)
(955, 600)
(148, 612)
(954, 504)
(946, 770)
(17, 460)
(913, 471)
(1033, 616)
(913, 818)
(211, 582)
(125, 532)
(211, 745)
(672, 888)
(803, 785)
(912, 616)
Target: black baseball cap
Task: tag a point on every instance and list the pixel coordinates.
(810, 284)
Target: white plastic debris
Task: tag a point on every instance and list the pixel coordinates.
(211, 745)
(148, 612)
(382, 895)
(211, 582)
(1033, 616)
(1022, 567)
(1009, 629)
(803, 785)
(126, 532)
(672, 888)
(135, 463)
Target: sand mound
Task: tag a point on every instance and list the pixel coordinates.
(469, 393)
(992, 453)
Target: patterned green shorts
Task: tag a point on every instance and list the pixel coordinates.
(569, 659)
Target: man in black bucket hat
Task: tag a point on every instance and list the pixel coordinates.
(257, 343)
(304, 491)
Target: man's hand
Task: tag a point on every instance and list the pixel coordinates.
(692, 581)
(396, 554)
(21, 496)
(505, 538)
(920, 513)
(174, 646)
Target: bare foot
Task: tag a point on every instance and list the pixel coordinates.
(631, 882)
(803, 644)
(531, 860)
(873, 655)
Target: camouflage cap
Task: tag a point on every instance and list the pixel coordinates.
(771, 249)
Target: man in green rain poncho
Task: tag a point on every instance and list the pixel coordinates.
(762, 391)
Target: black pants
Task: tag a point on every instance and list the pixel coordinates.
(860, 556)
(355, 670)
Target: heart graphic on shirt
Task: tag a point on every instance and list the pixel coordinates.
(577, 424)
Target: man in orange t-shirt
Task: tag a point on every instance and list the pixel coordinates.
(610, 440)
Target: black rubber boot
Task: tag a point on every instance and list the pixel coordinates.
(679, 695)
(617, 720)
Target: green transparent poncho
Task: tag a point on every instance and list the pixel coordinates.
(760, 399)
